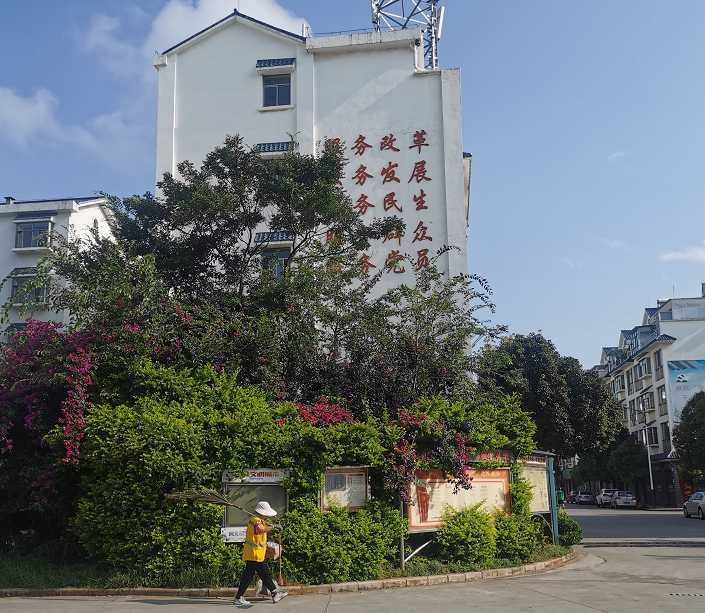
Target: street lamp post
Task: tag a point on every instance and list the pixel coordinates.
(648, 454)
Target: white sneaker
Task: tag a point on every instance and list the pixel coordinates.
(278, 596)
(240, 600)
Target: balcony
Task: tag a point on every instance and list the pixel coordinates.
(639, 384)
(659, 373)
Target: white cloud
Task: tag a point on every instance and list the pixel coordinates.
(690, 254)
(572, 264)
(26, 121)
(123, 136)
(615, 244)
(616, 155)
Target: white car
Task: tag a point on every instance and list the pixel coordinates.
(604, 498)
(623, 498)
(695, 505)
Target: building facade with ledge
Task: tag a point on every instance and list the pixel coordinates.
(653, 371)
(401, 124)
(24, 225)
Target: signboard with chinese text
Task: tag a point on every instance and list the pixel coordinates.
(686, 377)
(431, 492)
(345, 486)
(257, 484)
(538, 477)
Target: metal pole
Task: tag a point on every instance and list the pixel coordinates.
(648, 459)
(402, 561)
(552, 491)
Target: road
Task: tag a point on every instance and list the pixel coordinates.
(605, 579)
(601, 524)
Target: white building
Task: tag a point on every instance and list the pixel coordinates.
(653, 371)
(401, 123)
(24, 225)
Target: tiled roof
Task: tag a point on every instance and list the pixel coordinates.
(274, 147)
(86, 199)
(273, 237)
(34, 215)
(665, 337)
(466, 155)
(27, 270)
(236, 13)
(282, 61)
(651, 310)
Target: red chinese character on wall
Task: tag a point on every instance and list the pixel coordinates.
(390, 202)
(419, 172)
(419, 140)
(392, 262)
(423, 260)
(420, 201)
(363, 204)
(389, 173)
(361, 175)
(332, 236)
(483, 455)
(365, 263)
(420, 233)
(388, 143)
(360, 145)
(393, 235)
(490, 455)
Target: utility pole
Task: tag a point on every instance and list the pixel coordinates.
(642, 411)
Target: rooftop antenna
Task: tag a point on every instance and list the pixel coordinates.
(404, 14)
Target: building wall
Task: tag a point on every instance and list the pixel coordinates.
(346, 87)
(71, 217)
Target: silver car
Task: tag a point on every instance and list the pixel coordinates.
(623, 498)
(695, 505)
(585, 498)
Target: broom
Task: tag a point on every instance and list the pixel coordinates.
(216, 497)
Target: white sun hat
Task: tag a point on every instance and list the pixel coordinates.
(263, 508)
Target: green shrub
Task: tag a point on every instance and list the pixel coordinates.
(339, 545)
(569, 531)
(516, 536)
(468, 536)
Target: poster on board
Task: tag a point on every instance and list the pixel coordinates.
(537, 476)
(430, 492)
(345, 486)
(686, 377)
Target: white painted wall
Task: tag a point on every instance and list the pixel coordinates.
(343, 87)
(71, 216)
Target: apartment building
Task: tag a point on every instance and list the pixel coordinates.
(25, 229)
(400, 123)
(653, 371)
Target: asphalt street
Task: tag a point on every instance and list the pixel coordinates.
(605, 579)
(598, 523)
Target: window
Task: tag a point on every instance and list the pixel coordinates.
(37, 294)
(666, 437)
(632, 413)
(662, 405)
(277, 89)
(277, 260)
(33, 234)
(630, 382)
(652, 435)
(618, 384)
(643, 367)
(658, 362)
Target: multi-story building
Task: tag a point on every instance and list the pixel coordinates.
(400, 122)
(653, 371)
(26, 226)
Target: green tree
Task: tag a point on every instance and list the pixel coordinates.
(629, 460)
(689, 439)
(573, 408)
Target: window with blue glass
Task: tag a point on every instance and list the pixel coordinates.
(32, 234)
(277, 89)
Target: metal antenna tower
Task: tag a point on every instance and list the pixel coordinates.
(402, 14)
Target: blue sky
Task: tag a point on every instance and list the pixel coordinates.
(586, 122)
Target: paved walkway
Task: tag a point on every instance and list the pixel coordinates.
(610, 580)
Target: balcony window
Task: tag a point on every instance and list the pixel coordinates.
(666, 437)
(662, 403)
(32, 234)
(35, 294)
(643, 367)
(652, 436)
(630, 382)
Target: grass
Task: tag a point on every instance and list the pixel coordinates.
(36, 572)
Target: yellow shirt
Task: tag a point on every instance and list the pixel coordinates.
(255, 544)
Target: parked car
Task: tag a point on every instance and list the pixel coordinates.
(695, 505)
(572, 495)
(585, 498)
(604, 498)
(623, 498)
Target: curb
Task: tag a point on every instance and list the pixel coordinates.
(299, 590)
